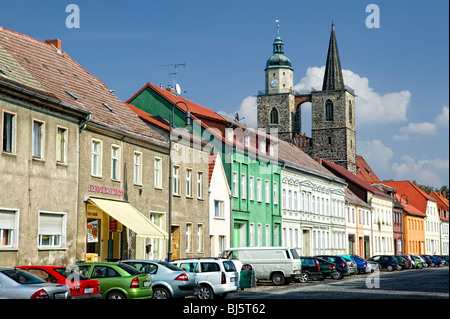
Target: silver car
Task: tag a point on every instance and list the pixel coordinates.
(351, 264)
(168, 281)
(20, 284)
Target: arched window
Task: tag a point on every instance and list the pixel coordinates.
(329, 111)
(274, 116)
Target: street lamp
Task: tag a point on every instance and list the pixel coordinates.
(188, 127)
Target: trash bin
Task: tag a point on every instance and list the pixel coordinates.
(90, 258)
(247, 277)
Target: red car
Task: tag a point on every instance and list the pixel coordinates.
(80, 286)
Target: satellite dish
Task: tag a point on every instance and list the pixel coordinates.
(178, 89)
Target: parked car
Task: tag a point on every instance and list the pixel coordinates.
(432, 261)
(216, 277)
(20, 284)
(372, 266)
(445, 260)
(278, 264)
(386, 262)
(168, 281)
(417, 261)
(411, 260)
(402, 262)
(310, 269)
(340, 263)
(80, 286)
(423, 261)
(328, 269)
(117, 281)
(361, 263)
(351, 263)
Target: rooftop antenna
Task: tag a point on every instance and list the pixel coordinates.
(175, 73)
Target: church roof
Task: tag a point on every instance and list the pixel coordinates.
(333, 79)
(278, 59)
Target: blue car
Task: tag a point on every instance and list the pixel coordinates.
(361, 263)
(432, 261)
(341, 264)
(387, 262)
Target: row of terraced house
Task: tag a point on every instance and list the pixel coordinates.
(161, 177)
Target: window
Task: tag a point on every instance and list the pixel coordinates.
(262, 145)
(176, 180)
(189, 183)
(188, 237)
(289, 199)
(251, 188)
(252, 235)
(267, 191)
(235, 185)
(244, 186)
(246, 141)
(259, 235)
(38, 139)
(9, 220)
(96, 169)
(199, 185)
(115, 162)
(9, 132)
(259, 190)
(158, 172)
(274, 116)
(61, 145)
(284, 198)
(219, 209)
(52, 230)
(268, 244)
(275, 193)
(329, 111)
(137, 168)
(200, 237)
(295, 206)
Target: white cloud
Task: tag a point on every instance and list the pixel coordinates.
(403, 137)
(371, 107)
(424, 128)
(248, 109)
(376, 154)
(442, 119)
(429, 172)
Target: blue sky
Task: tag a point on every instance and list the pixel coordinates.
(400, 71)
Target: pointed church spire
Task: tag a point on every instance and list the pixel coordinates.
(333, 79)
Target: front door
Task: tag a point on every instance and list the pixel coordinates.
(175, 242)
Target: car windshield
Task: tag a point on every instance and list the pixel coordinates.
(70, 274)
(22, 277)
(129, 269)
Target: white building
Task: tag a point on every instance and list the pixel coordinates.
(219, 206)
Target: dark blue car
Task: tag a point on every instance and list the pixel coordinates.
(341, 264)
(361, 263)
(432, 261)
(386, 261)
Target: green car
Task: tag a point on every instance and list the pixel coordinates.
(418, 261)
(117, 281)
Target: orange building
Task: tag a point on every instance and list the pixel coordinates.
(413, 229)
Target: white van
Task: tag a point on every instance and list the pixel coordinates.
(278, 264)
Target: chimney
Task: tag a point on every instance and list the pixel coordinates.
(56, 43)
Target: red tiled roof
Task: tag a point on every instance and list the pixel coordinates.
(364, 171)
(416, 197)
(442, 203)
(58, 74)
(346, 174)
(212, 164)
(194, 108)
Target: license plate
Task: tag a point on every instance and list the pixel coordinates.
(232, 279)
(60, 296)
(146, 283)
(88, 290)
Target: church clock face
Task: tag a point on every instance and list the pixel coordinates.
(273, 83)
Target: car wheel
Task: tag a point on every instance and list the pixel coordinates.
(390, 268)
(303, 277)
(160, 293)
(205, 292)
(116, 295)
(278, 279)
(433, 264)
(338, 275)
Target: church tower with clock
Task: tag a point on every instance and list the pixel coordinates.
(275, 104)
